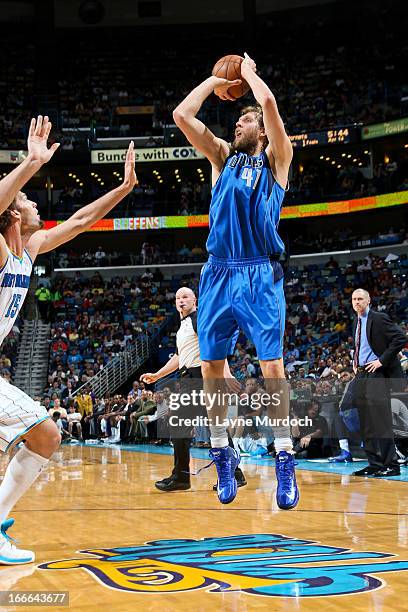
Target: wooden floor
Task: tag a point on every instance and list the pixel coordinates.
(97, 499)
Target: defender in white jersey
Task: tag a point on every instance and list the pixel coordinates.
(21, 240)
(18, 412)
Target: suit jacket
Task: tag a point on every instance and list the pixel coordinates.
(386, 340)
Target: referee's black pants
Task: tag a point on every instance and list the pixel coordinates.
(182, 439)
(372, 398)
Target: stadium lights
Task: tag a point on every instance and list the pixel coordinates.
(366, 152)
(70, 174)
(102, 183)
(327, 158)
(348, 156)
(322, 157)
(360, 164)
(354, 160)
(333, 163)
(406, 146)
(343, 155)
(81, 184)
(338, 165)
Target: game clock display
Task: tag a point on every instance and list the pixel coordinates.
(324, 137)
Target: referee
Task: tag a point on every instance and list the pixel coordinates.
(187, 361)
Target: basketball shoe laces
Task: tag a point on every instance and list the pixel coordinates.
(286, 471)
(224, 474)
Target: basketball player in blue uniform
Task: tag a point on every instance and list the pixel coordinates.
(242, 283)
(21, 240)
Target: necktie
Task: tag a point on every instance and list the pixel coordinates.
(358, 342)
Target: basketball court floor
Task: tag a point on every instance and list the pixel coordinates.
(105, 535)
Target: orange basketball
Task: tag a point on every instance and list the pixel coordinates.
(229, 67)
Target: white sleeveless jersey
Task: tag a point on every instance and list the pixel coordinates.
(14, 284)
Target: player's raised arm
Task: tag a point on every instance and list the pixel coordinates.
(279, 144)
(47, 240)
(215, 149)
(38, 155)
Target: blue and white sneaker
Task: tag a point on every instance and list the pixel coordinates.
(226, 460)
(10, 554)
(287, 493)
(344, 457)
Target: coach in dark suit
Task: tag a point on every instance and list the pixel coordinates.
(377, 342)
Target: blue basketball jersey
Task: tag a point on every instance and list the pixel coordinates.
(245, 209)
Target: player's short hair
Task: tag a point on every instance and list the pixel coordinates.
(257, 110)
(5, 217)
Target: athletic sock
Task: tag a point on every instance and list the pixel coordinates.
(283, 444)
(344, 445)
(219, 436)
(21, 472)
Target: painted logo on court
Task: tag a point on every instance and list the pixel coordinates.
(261, 564)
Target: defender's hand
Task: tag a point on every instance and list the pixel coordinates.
(38, 133)
(130, 178)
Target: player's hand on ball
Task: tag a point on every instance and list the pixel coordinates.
(130, 178)
(221, 88)
(148, 378)
(38, 133)
(248, 64)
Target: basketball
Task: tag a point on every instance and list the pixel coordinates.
(229, 67)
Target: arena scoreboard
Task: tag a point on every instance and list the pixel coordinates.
(322, 138)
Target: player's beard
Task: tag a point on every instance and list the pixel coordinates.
(246, 143)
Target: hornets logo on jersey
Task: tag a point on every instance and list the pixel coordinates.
(14, 283)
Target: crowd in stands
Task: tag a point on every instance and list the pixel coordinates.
(315, 180)
(94, 78)
(16, 90)
(8, 354)
(320, 181)
(93, 320)
(190, 197)
(155, 252)
(317, 83)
